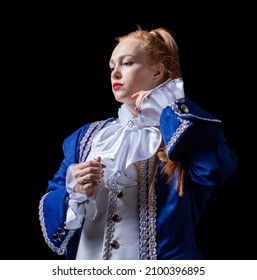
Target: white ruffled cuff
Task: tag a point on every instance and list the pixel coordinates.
(159, 98)
(80, 205)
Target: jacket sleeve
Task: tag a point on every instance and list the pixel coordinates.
(53, 205)
(196, 137)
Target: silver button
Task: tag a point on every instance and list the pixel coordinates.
(114, 244)
(56, 238)
(116, 218)
(184, 108)
(60, 231)
(119, 194)
(181, 100)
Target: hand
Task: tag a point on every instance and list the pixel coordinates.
(88, 176)
(139, 97)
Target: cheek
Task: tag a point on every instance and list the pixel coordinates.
(144, 80)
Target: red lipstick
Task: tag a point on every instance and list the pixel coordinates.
(116, 86)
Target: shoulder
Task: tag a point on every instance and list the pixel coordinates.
(183, 112)
(79, 142)
(87, 129)
(187, 109)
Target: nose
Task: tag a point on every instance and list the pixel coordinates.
(116, 74)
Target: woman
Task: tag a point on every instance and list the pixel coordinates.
(134, 187)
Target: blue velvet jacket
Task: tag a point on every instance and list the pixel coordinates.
(190, 135)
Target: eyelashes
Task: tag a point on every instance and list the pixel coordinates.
(127, 63)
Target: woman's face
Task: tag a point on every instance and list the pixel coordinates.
(131, 72)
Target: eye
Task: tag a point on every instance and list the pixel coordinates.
(127, 63)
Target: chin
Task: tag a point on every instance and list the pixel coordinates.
(120, 98)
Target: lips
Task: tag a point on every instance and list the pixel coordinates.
(116, 86)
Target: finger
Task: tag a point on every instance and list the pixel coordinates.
(98, 159)
(141, 98)
(133, 96)
(89, 178)
(87, 164)
(87, 190)
(89, 174)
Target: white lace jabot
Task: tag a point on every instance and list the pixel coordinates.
(124, 142)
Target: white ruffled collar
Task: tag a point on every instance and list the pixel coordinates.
(125, 116)
(127, 119)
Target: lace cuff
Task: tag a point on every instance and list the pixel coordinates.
(80, 205)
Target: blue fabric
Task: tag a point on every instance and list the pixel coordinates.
(209, 158)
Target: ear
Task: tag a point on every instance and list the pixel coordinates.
(158, 70)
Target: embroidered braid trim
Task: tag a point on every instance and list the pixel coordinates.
(59, 250)
(88, 138)
(147, 214)
(179, 131)
(109, 228)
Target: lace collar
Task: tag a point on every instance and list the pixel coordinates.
(127, 119)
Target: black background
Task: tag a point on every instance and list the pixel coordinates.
(57, 78)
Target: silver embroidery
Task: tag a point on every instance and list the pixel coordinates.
(84, 139)
(177, 134)
(109, 229)
(88, 135)
(62, 249)
(152, 218)
(143, 212)
(147, 216)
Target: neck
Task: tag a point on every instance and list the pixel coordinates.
(132, 109)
